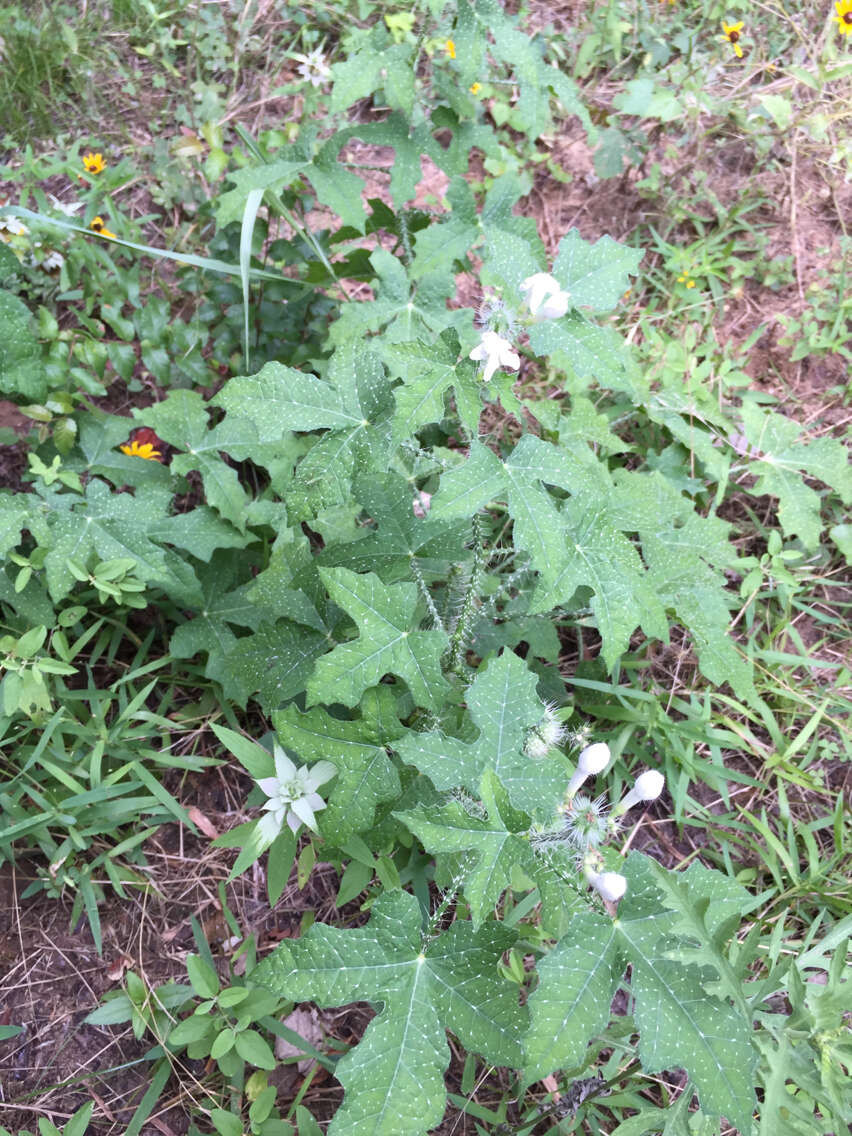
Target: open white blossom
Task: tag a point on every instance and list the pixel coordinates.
(494, 351)
(545, 298)
(53, 259)
(646, 787)
(609, 885)
(592, 760)
(12, 225)
(313, 67)
(293, 794)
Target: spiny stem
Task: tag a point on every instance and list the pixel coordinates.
(427, 595)
(462, 628)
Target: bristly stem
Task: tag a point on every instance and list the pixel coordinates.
(427, 595)
(462, 629)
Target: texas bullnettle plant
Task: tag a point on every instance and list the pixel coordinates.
(390, 535)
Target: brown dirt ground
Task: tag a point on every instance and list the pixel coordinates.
(52, 976)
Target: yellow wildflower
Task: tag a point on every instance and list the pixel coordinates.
(98, 225)
(684, 278)
(476, 88)
(844, 16)
(94, 163)
(732, 35)
(450, 49)
(141, 450)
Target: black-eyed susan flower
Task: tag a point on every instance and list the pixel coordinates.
(137, 449)
(732, 35)
(94, 163)
(97, 224)
(450, 48)
(844, 16)
(475, 88)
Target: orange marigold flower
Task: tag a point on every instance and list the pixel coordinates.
(145, 450)
(94, 163)
(844, 16)
(450, 49)
(97, 224)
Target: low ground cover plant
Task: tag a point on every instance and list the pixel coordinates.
(410, 502)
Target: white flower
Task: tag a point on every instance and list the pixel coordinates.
(14, 226)
(609, 885)
(53, 260)
(592, 760)
(646, 787)
(292, 794)
(69, 208)
(494, 351)
(545, 298)
(313, 67)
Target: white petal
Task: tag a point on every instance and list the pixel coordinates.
(479, 353)
(649, 785)
(594, 758)
(316, 802)
(284, 767)
(555, 306)
(610, 886)
(269, 827)
(304, 812)
(293, 821)
(268, 785)
(321, 772)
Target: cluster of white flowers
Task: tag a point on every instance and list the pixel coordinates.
(545, 300)
(584, 824)
(292, 794)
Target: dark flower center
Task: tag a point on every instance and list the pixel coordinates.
(847, 17)
(733, 36)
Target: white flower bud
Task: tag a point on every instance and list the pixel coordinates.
(592, 760)
(646, 787)
(609, 885)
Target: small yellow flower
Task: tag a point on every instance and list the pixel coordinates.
(844, 16)
(94, 163)
(732, 35)
(476, 88)
(98, 225)
(450, 49)
(141, 450)
(684, 278)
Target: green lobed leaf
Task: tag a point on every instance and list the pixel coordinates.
(680, 1025)
(498, 844)
(393, 1077)
(577, 981)
(387, 643)
(503, 705)
(366, 777)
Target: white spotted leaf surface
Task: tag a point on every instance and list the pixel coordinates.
(393, 1079)
(387, 643)
(503, 705)
(680, 1025)
(577, 981)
